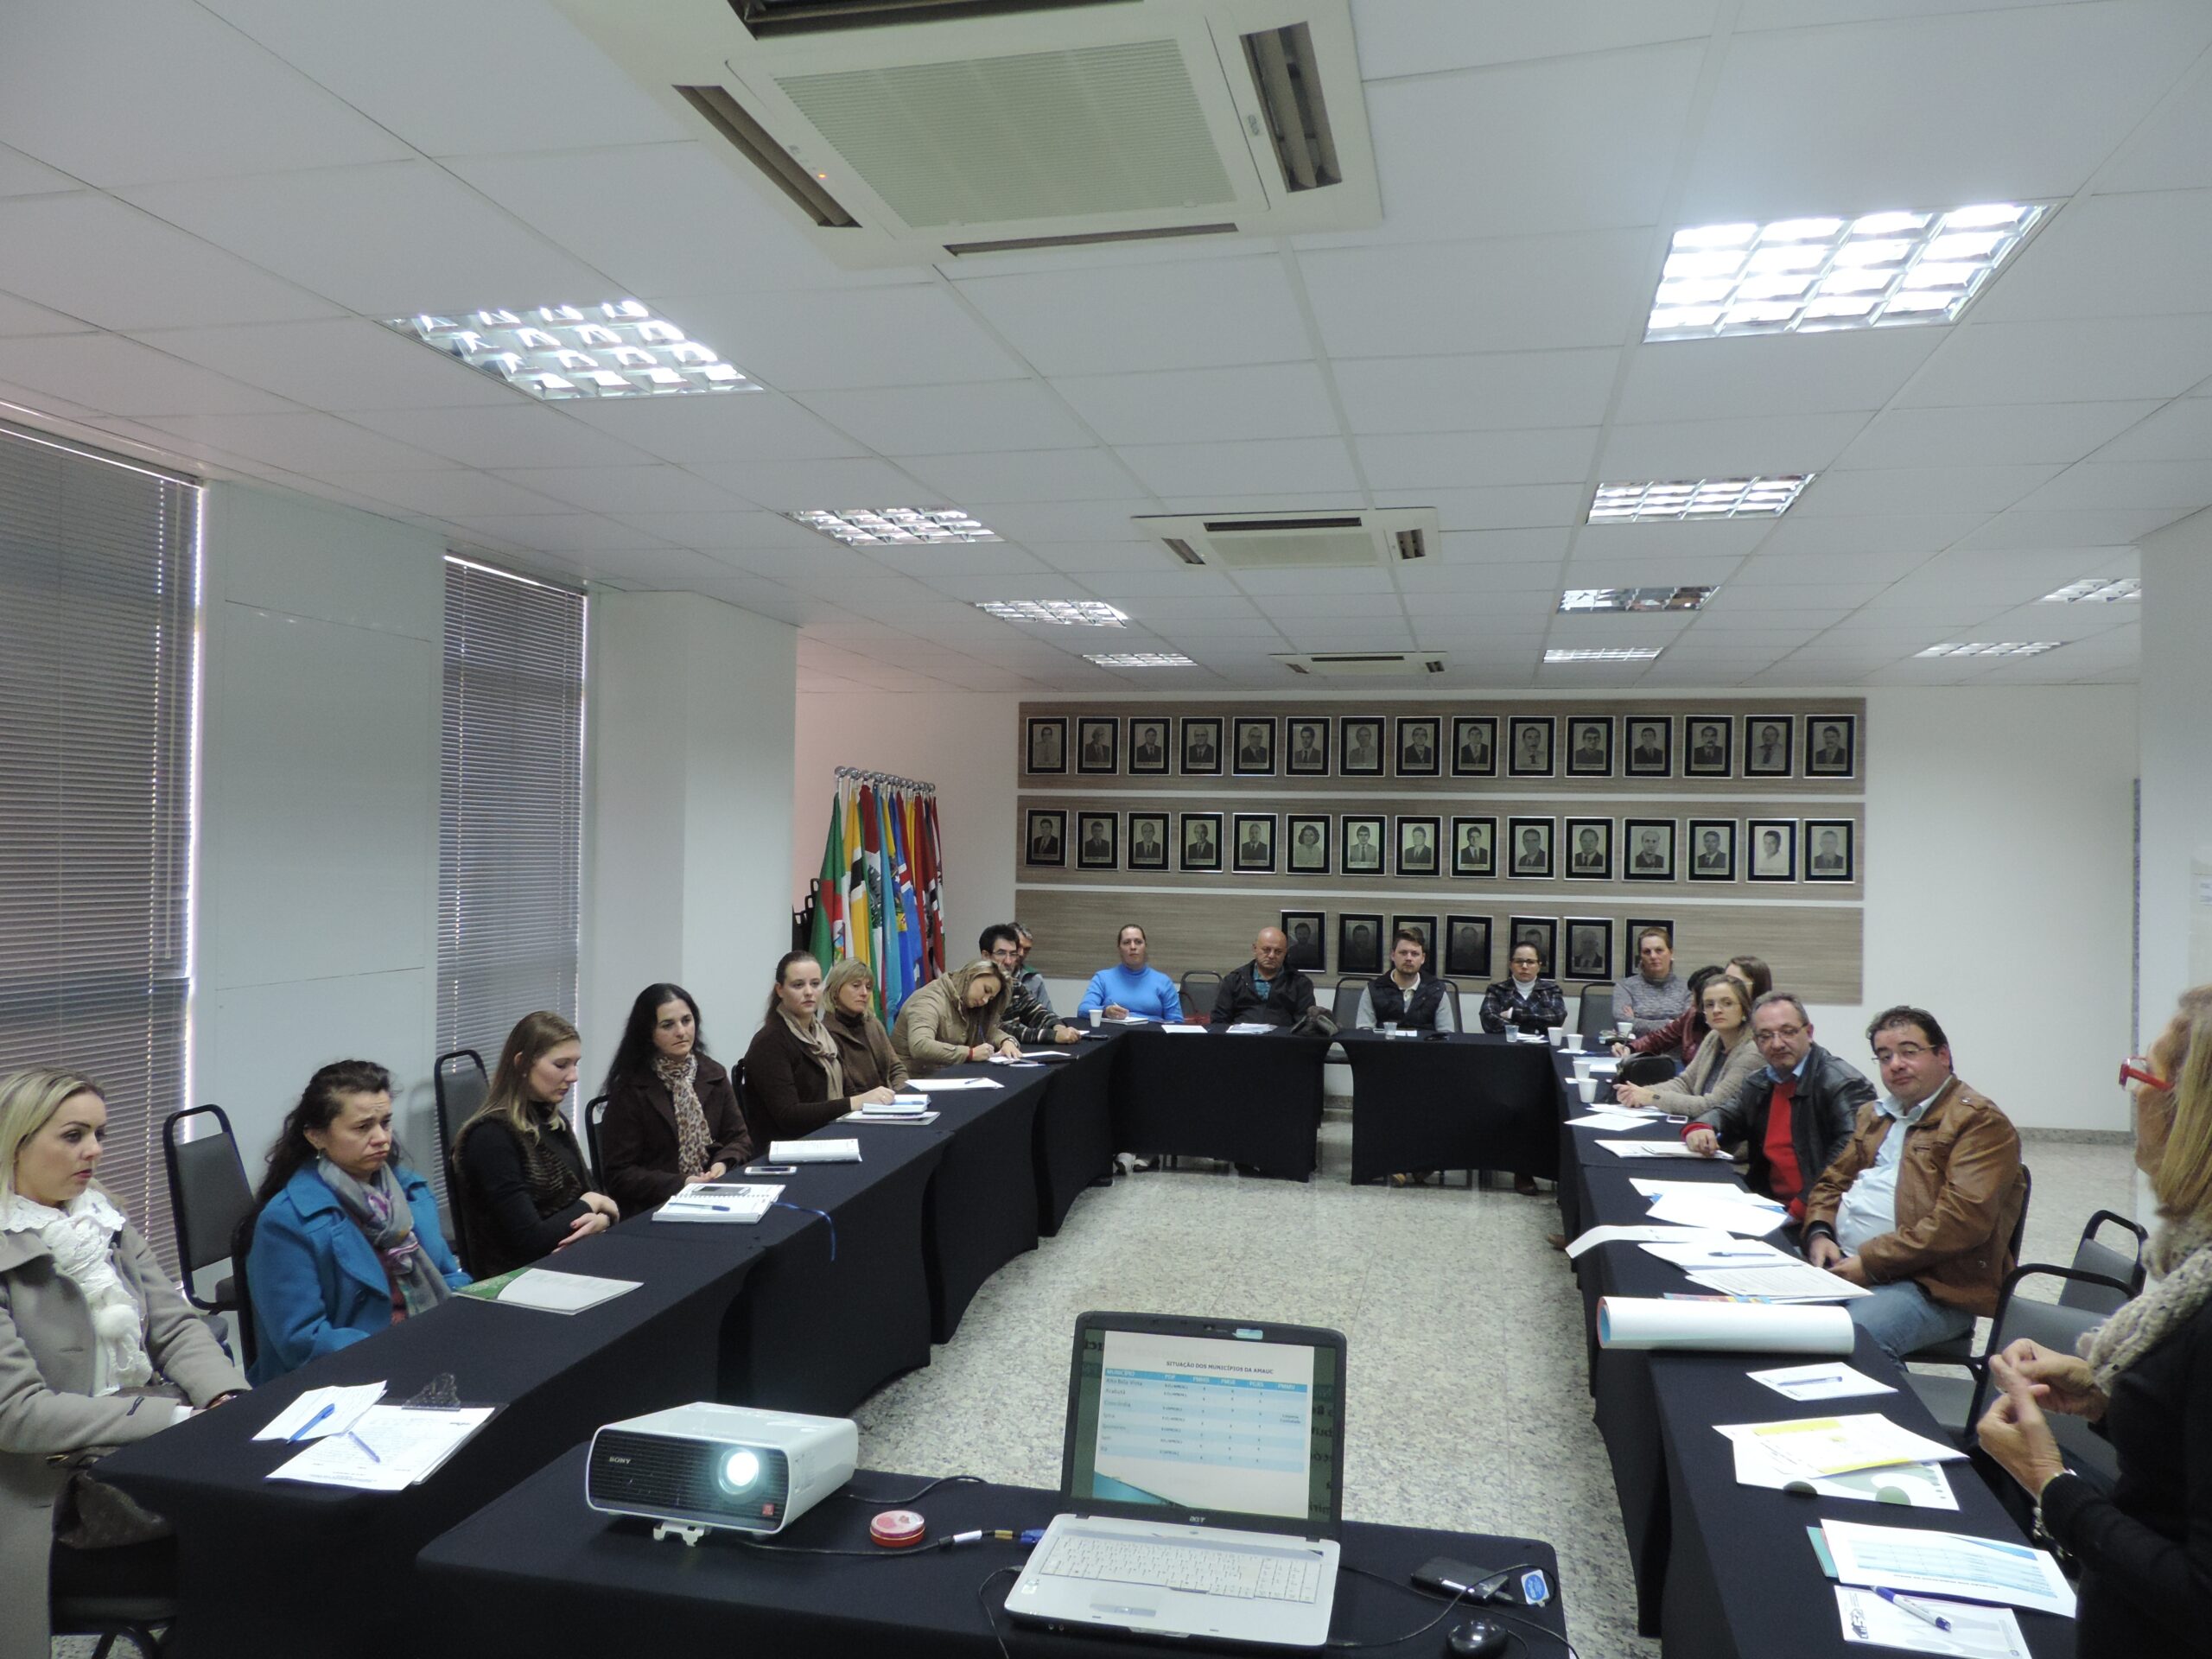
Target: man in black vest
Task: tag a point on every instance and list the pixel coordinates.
(1407, 996)
(1263, 992)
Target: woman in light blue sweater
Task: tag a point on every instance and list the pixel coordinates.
(1129, 987)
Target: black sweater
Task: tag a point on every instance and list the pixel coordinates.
(498, 1215)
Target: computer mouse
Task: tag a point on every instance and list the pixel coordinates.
(1478, 1639)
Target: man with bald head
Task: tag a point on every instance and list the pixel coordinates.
(1264, 992)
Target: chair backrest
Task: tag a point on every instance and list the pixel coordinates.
(461, 1085)
(2124, 1267)
(595, 1109)
(1596, 1012)
(2020, 1227)
(1198, 979)
(241, 1247)
(208, 1190)
(1459, 1013)
(1345, 1007)
(2053, 1325)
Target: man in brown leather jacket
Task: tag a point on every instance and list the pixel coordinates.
(1921, 1205)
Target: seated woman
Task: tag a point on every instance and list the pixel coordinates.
(1724, 1062)
(1527, 1001)
(673, 1118)
(794, 1074)
(520, 1191)
(2144, 1379)
(1676, 1041)
(957, 1016)
(1131, 986)
(1408, 996)
(346, 1242)
(97, 1349)
(863, 1045)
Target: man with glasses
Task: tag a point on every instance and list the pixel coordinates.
(1920, 1206)
(1029, 1014)
(1795, 1113)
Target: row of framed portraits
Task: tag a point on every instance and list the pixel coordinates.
(1363, 942)
(1537, 848)
(1415, 745)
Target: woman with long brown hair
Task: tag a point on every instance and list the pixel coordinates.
(520, 1190)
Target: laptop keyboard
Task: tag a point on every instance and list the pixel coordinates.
(1214, 1572)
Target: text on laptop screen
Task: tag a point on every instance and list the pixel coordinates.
(1211, 1426)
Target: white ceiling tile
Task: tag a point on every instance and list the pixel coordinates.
(1522, 506)
(830, 340)
(527, 434)
(1227, 501)
(1810, 598)
(1276, 400)
(1045, 524)
(1774, 374)
(1768, 444)
(22, 176)
(2180, 431)
(2078, 361)
(387, 241)
(2184, 484)
(22, 317)
(932, 564)
(749, 425)
(1720, 539)
(1193, 596)
(1506, 294)
(1263, 585)
(121, 377)
(1305, 606)
(1991, 434)
(1895, 532)
(1202, 315)
(2173, 150)
(1496, 390)
(452, 494)
(1026, 475)
(1286, 464)
(626, 489)
(750, 531)
(993, 415)
(1453, 585)
(343, 364)
(301, 440)
(2100, 527)
(569, 532)
(1458, 547)
(835, 485)
(2133, 256)
(1919, 489)
(126, 91)
(1419, 37)
(1480, 459)
(1612, 569)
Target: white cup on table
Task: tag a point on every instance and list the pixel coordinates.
(1588, 1085)
(1558, 1034)
(1095, 1013)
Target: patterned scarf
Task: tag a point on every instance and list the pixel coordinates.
(81, 1237)
(380, 1208)
(681, 1077)
(2181, 1266)
(820, 1044)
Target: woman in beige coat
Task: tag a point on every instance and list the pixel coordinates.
(95, 1346)
(955, 1017)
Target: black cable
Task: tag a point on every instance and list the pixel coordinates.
(912, 1498)
(887, 1552)
(1488, 1608)
(983, 1601)
(1393, 1641)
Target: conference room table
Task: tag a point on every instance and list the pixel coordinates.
(1458, 1102)
(1252, 1099)
(538, 1572)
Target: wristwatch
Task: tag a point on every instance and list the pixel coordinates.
(2041, 1532)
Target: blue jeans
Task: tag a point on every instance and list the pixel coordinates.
(1902, 1316)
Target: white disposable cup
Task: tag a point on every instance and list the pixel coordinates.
(1582, 1064)
(1589, 1087)
(1389, 1027)
(1095, 1013)
(1558, 1036)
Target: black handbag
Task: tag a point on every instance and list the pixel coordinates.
(88, 1514)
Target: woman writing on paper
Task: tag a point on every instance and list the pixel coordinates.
(957, 1016)
(520, 1191)
(2145, 1378)
(673, 1118)
(96, 1349)
(1723, 1063)
(347, 1240)
(863, 1045)
(795, 1078)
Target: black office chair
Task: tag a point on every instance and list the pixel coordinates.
(2091, 1255)
(1958, 1350)
(1458, 1015)
(462, 1086)
(595, 1109)
(1595, 1014)
(1198, 979)
(209, 1195)
(241, 1246)
(132, 1618)
(1345, 1007)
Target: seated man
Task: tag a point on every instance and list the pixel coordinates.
(1794, 1114)
(1029, 1022)
(1921, 1205)
(1263, 992)
(1131, 986)
(1407, 996)
(1653, 993)
(1527, 1001)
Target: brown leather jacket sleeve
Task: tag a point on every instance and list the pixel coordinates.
(1984, 1164)
(1827, 1196)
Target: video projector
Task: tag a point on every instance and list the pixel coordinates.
(699, 1467)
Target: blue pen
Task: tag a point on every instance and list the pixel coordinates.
(372, 1453)
(1914, 1608)
(301, 1432)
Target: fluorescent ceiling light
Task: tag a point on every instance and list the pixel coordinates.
(1139, 660)
(1806, 276)
(894, 526)
(1696, 497)
(615, 349)
(2098, 590)
(1082, 613)
(1601, 654)
(2009, 648)
(1634, 599)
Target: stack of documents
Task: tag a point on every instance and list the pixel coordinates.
(1596, 1235)
(1048, 1054)
(1649, 1149)
(947, 1085)
(1837, 1446)
(1711, 1205)
(897, 1106)
(1250, 1028)
(920, 1118)
(816, 1152)
(1613, 1118)
(725, 1201)
(387, 1448)
(1918, 1563)
(557, 1293)
(1778, 1279)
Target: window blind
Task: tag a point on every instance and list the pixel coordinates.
(509, 806)
(98, 622)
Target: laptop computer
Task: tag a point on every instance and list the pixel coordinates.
(1203, 1475)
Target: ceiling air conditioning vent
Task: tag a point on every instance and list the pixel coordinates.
(1296, 541)
(1362, 664)
(911, 131)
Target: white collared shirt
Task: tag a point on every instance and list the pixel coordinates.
(1870, 1204)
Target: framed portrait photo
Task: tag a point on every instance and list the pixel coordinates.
(1148, 739)
(1529, 848)
(1541, 931)
(1359, 944)
(1831, 746)
(1201, 841)
(1202, 747)
(1096, 841)
(1467, 947)
(1253, 846)
(1362, 846)
(1474, 746)
(1359, 746)
(1148, 841)
(1419, 748)
(1771, 849)
(1589, 746)
(1048, 744)
(1589, 947)
(1712, 849)
(1098, 746)
(1308, 839)
(1767, 744)
(1528, 745)
(1647, 850)
(1650, 746)
(1423, 927)
(1045, 837)
(1589, 849)
(1474, 846)
(1417, 844)
(1829, 853)
(1307, 930)
(1252, 746)
(1308, 738)
(1706, 745)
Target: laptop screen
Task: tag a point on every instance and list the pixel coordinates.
(1240, 1421)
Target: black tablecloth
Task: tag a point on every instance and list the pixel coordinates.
(980, 1209)
(538, 1572)
(1075, 1129)
(1451, 1102)
(1253, 1100)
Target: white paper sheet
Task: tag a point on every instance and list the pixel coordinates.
(1596, 1235)
(561, 1293)
(946, 1085)
(1605, 1117)
(1719, 1250)
(1048, 1054)
(407, 1446)
(1819, 1382)
(1649, 1149)
(1652, 1186)
(1725, 1327)
(1749, 1220)
(1788, 1282)
(1975, 1632)
(1250, 1028)
(1916, 1485)
(345, 1405)
(739, 1202)
(1837, 1446)
(1914, 1561)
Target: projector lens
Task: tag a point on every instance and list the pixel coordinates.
(741, 1469)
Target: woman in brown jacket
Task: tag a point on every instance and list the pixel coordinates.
(795, 1078)
(862, 1043)
(957, 1016)
(671, 1115)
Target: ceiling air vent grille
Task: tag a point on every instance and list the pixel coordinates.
(1299, 541)
(1297, 116)
(1362, 664)
(752, 140)
(764, 18)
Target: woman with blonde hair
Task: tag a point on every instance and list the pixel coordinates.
(848, 989)
(1726, 1059)
(957, 1016)
(520, 1190)
(97, 1349)
(2145, 1378)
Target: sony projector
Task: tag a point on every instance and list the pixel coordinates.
(701, 1467)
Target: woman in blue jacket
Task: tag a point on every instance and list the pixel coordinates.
(347, 1241)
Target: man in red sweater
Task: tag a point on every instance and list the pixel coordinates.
(1797, 1112)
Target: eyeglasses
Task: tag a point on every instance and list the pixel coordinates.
(1906, 1052)
(1780, 1032)
(2136, 1071)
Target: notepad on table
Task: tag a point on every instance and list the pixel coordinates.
(304, 1418)
(559, 1292)
(1786, 1280)
(948, 1086)
(741, 1203)
(388, 1449)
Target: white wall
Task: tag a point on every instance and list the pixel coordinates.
(315, 926)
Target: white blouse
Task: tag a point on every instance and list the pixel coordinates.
(81, 1236)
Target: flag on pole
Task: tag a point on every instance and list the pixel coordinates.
(882, 940)
(860, 933)
(826, 940)
(933, 896)
(910, 914)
